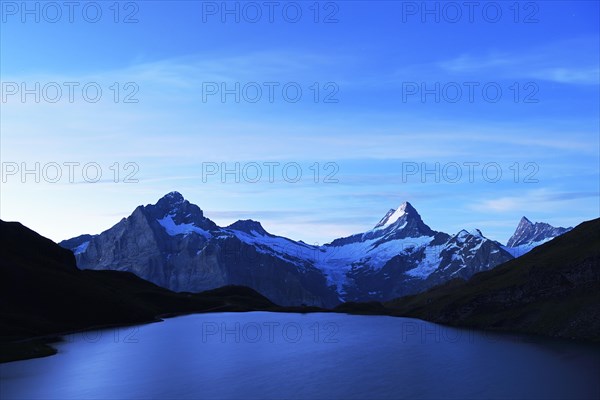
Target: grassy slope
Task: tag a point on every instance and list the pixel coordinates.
(553, 290)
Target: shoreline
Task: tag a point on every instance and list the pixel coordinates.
(40, 346)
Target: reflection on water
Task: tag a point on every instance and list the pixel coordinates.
(277, 355)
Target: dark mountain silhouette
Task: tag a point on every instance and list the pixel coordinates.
(42, 292)
(552, 290)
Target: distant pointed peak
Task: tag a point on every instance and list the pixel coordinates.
(528, 233)
(171, 198)
(174, 204)
(393, 215)
(406, 206)
(525, 220)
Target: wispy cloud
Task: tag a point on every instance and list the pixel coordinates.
(559, 62)
(531, 201)
(584, 76)
(170, 132)
(470, 63)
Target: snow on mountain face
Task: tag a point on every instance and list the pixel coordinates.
(384, 221)
(401, 231)
(457, 254)
(178, 217)
(252, 233)
(428, 264)
(81, 248)
(529, 235)
(402, 255)
(173, 244)
(392, 216)
(174, 229)
(336, 261)
(398, 219)
(248, 226)
(405, 222)
(467, 253)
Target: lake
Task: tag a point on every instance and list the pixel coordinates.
(322, 355)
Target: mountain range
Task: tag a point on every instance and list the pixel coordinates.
(553, 290)
(172, 244)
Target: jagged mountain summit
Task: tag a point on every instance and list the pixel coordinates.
(529, 235)
(554, 291)
(539, 232)
(401, 255)
(404, 218)
(172, 244)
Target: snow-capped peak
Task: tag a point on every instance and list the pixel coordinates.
(476, 232)
(473, 232)
(462, 234)
(393, 215)
(385, 218)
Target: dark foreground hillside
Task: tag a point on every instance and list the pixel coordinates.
(553, 290)
(42, 293)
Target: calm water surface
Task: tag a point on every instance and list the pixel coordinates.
(324, 356)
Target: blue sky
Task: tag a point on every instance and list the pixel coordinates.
(401, 91)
